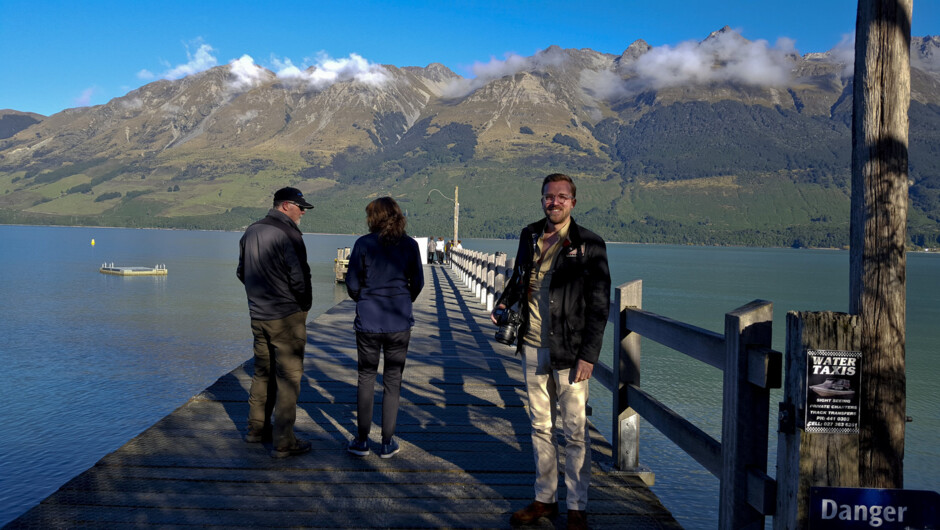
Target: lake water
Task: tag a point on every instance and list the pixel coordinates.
(92, 360)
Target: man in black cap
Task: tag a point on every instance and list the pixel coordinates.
(272, 263)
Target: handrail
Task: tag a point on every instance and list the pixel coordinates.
(751, 368)
(743, 353)
(700, 344)
(484, 274)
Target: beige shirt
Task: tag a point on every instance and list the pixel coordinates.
(539, 283)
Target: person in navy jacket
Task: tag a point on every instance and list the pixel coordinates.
(384, 277)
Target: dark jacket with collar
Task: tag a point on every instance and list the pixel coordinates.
(272, 263)
(579, 293)
(384, 280)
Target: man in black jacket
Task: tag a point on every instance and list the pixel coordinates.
(272, 263)
(561, 282)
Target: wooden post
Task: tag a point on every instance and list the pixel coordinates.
(477, 273)
(341, 264)
(626, 368)
(882, 95)
(501, 275)
(510, 263)
(487, 288)
(491, 279)
(743, 438)
(811, 459)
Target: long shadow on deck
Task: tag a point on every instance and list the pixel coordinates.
(466, 459)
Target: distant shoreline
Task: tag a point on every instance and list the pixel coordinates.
(919, 251)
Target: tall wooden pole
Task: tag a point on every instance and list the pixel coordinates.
(882, 93)
(456, 213)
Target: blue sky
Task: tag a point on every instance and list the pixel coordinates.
(61, 54)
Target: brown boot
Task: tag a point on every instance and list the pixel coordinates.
(298, 448)
(265, 434)
(577, 520)
(534, 512)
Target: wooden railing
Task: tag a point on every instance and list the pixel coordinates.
(743, 353)
(485, 275)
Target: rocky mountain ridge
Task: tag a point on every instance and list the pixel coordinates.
(607, 117)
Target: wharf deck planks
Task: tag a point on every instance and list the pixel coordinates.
(466, 458)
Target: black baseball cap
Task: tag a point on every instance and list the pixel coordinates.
(292, 195)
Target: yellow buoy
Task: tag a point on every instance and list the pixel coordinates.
(92, 242)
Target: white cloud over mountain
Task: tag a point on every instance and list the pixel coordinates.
(202, 60)
(327, 71)
(496, 69)
(723, 57)
(246, 74)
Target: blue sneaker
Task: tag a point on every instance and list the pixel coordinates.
(358, 447)
(390, 449)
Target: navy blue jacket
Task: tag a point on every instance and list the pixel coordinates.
(384, 280)
(579, 295)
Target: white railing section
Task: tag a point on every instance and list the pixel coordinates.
(484, 275)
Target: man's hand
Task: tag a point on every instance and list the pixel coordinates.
(493, 314)
(583, 371)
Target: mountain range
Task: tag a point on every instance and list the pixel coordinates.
(721, 141)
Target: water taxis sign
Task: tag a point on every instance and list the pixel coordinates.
(867, 508)
(833, 381)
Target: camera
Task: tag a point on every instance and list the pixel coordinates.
(508, 322)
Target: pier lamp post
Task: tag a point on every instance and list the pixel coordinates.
(456, 202)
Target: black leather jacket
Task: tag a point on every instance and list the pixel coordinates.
(272, 263)
(579, 293)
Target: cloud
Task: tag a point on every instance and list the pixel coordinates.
(787, 46)
(286, 70)
(131, 104)
(723, 57)
(328, 71)
(246, 116)
(602, 84)
(844, 53)
(85, 98)
(325, 70)
(246, 73)
(496, 69)
(197, 62)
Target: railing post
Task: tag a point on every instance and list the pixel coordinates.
(487, 279)
(499, 281)
(457, 260)
(471, 260)
(471, 270)
(477, 275)
(481, 287)
(745, 412)
(463, 266)
(811, 459)
(626, 368)
(490, 283)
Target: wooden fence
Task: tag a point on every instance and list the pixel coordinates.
(485, 275)
(743, 353)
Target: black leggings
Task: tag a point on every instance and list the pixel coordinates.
(370, 346)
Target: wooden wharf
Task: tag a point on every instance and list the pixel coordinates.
(466, 458)
(341, 264)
